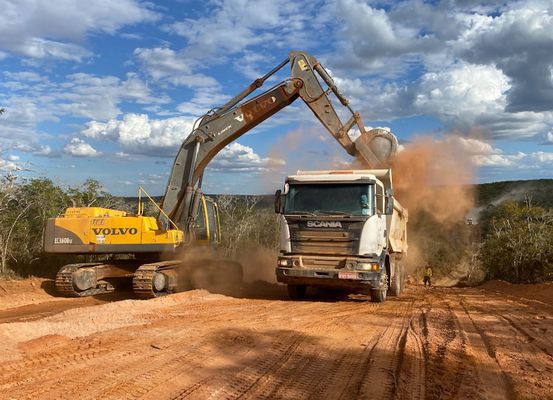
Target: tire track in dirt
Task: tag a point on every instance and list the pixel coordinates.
(451, 370)
(110, 351)
(381, 375)
(411, 375)
(523, 355)
(427, 344)
(117, 356)
(267, 372)
(486, 379)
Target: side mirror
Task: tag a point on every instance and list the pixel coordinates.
(389, 203)
(278, 201)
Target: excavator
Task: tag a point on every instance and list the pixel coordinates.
(152, 251)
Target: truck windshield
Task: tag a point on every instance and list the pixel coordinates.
(353, 199)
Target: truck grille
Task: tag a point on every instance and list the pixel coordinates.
(323, 242)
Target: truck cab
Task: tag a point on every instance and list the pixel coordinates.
(341, 229)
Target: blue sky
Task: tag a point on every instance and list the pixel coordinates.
(109, 89)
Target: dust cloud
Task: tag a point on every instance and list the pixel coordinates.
(258, 264)
(432, 180)
(211, 269)
(306, 148)
(432, 176)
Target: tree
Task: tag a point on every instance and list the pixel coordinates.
(518, 243)
(245, 223)
(13, 207)
(92, 194)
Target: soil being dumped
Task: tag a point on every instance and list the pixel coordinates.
(457, 343)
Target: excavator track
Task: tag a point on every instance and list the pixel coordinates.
(143, 279)
(142, 282)
(64, 282)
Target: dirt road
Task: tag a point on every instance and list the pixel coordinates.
(435, 344)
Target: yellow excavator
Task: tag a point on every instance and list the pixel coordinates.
(152, 251)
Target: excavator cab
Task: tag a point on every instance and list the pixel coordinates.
(207, 227)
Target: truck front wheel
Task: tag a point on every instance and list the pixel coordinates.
(297, 291)
(378, 295)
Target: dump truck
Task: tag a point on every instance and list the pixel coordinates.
(341, 229)
(150, 250)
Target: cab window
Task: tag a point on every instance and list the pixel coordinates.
(212, 221)
(200, 228)
(379, 199)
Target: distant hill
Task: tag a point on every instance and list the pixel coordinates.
(539, 191)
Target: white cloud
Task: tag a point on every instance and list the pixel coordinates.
(497, 160)
(462, 96)
(472, 146)
(519, 42)
(462, 92)
(9, 166)
(536, 160)
(95, 97)
(549, 137)
(41, 29)
(36, 149)
(43, 150)
(238, 158)
(136, 133)
(204, 100)
(79, 148)
(234, 25)
(32, 98)
(370, 41)
(165, 65)
(543, 157)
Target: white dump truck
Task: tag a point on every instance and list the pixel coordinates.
(341, 229)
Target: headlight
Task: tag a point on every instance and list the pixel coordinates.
(284, 262)
(365, 266)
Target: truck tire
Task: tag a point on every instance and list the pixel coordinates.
(297, 291)
(396, 285)
(402, 276)
(378, 295)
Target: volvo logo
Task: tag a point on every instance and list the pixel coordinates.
(115, 231)
(324, 224)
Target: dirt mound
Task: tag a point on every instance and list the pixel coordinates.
(541, 292)
(16, 293)
(85, 321)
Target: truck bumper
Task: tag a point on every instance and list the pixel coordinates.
(361, 280)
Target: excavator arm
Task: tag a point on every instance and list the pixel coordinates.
(220, 127)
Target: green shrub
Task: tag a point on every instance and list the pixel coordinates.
(518, 243)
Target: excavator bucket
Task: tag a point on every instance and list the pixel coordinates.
(376, 148)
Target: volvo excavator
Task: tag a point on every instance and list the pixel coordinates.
(152, 248)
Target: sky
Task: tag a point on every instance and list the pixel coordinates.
(110, 89)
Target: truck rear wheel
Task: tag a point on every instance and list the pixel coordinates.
(396, 285)
(297, 291)
(378, 295)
